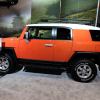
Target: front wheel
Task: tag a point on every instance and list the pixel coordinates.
(83, 70)
(6, 64)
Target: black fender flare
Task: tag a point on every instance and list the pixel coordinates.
(94, 56)
(10, 51)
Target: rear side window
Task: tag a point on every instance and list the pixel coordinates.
(63, 34)
(95, 34)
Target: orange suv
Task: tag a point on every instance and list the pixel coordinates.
(73, 47)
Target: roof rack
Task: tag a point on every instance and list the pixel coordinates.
(65, 20)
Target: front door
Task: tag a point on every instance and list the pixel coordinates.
(39, 46)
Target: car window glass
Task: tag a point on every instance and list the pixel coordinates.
(63, 34)
(31, 31)
(95, 35)
(40, 33)
(44, 33)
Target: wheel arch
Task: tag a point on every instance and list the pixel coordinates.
(11, 52)
(93, 56)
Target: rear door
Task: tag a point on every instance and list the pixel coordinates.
(62, 44)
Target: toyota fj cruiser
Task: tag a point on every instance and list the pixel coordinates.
(73, 47)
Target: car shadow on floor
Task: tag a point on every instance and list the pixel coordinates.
(37, 69)
(2, 75)
(17, 69)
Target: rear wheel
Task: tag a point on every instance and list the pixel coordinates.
(83, 70)
(6, 64)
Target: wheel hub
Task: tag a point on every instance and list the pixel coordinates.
(4, 63)
(84, 70)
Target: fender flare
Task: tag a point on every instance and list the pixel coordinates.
(94, 56)
(10, 51)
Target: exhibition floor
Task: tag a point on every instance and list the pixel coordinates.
(35, 86)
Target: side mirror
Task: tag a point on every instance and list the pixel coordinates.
(26, 36)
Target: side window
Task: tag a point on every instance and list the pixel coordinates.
(95, 35)
(40, 33)
(44, 33)
(63, 34)
(31, 31)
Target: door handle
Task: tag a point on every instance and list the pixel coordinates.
(48, 45)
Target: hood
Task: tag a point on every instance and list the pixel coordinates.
(10, 42)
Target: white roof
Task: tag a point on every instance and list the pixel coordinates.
(72, 26)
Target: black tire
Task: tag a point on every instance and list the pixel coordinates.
(6, 64)
(83, 70)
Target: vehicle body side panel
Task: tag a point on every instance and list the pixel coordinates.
(62, 50)
(82, 41)
(35, 49)
(97, 46)
(12, 43)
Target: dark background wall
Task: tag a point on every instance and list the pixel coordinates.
(70, 10)
(42, 9)
(79, 9)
